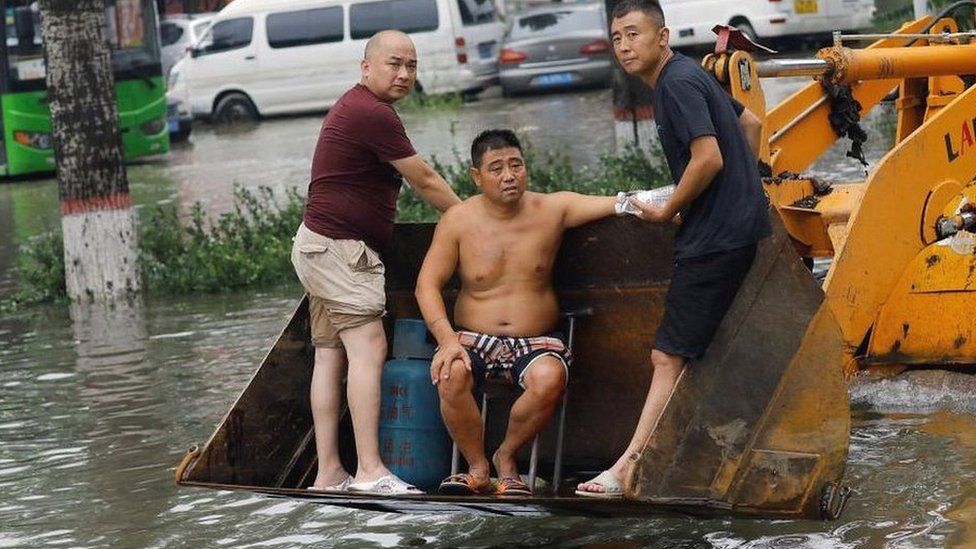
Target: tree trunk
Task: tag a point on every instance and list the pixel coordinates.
(100, 252)
(632, 105)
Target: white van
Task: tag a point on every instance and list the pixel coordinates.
(691, 21)
(267, 57)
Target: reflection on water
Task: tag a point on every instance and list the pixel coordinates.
(97, 408)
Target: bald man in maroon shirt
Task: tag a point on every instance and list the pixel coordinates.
(361, 159)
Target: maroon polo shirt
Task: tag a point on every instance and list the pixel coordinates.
(354, 188)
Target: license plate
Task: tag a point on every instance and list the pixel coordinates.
(556, 79)
(805, 6)
(484, 50)
(173, 125)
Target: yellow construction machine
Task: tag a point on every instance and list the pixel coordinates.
(902, 283)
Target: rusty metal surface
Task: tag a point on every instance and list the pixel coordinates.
(762, 421)
(620, 268)
(268, 427)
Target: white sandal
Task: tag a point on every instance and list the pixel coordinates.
(390, 485)
(611, 488)
(339, 487)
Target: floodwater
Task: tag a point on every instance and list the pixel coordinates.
(98, 406)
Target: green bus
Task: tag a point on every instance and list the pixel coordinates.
(131, 28)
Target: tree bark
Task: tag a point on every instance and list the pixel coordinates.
(632, 104)
(100, 250)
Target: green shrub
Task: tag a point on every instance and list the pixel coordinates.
(418, 102)
(889, 15)
(248, 246)
(41, 272)
(548, 172)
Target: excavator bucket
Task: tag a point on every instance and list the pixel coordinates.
(761, 423)
(759, 427)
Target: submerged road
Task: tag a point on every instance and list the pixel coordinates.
(97, 407)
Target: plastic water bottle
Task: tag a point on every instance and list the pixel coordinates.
(656, 197)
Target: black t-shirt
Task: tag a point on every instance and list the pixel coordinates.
(732, 211)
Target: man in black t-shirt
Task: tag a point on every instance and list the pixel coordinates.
(711, 143)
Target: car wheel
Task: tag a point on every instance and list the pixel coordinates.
(235, 108)
(746, 28)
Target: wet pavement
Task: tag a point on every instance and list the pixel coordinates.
(98, 406)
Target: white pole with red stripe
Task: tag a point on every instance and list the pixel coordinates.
(100, 238)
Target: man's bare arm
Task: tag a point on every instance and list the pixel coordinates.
(439, 265)
(428, 183)
(581, 209)
(752, 127)
(704, 165)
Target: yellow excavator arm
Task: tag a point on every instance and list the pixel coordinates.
(901, 284)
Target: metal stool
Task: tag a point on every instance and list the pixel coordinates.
(494, 390)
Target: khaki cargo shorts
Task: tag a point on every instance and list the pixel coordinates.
(345, 281)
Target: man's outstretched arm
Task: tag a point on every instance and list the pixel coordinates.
(580, 209)
(439, 265)
(427, 182)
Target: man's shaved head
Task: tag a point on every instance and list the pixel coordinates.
(389, 65)
(384, 38)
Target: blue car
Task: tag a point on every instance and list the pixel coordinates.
(178, 119)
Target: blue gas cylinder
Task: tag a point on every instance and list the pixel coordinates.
(414, 443)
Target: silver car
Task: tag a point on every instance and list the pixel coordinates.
(556, 47)
(177, 33)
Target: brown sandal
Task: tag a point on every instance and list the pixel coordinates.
(463, 484)
(513, 486)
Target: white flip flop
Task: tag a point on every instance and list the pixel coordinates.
(339, 487)
(611, 488)
(390, 485)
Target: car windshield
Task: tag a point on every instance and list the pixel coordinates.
(200, 27)
(555, 22)
(474, 12)
(130, 26)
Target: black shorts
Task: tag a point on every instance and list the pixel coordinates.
(702, 290)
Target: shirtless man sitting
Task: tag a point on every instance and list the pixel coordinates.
(503, 241)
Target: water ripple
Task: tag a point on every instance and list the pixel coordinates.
(86, 459)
